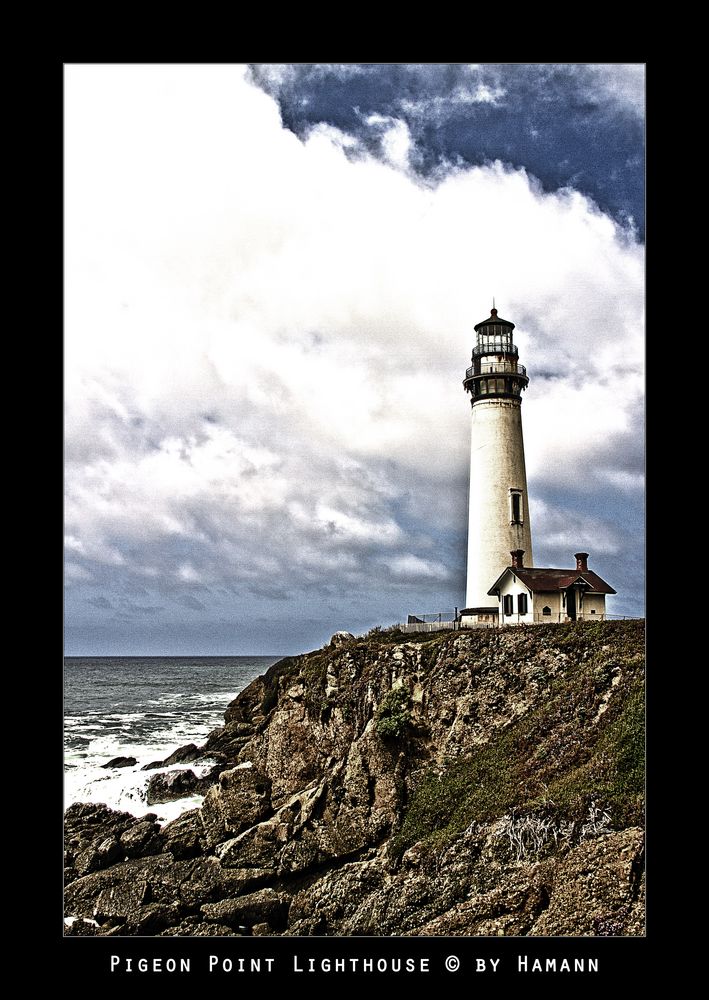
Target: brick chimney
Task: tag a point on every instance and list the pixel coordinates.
(517, 559)
(581, 561)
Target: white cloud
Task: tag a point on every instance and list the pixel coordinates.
(395, 139)
(413, 567)
(483, 94)
(265, 338)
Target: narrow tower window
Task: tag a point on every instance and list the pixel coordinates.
(516, 506)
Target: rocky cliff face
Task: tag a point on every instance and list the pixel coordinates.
(465, 783)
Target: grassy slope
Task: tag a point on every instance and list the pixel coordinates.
(558, 758)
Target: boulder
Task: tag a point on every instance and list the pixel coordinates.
(121, 762)
(183, 755)
(173, 785)
(182, 837)
(121, 901)
(153, 918)
(110, 850)
(141, 840)
(81, 896)
(241, 799)
(340, 638)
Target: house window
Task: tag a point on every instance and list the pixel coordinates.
(522, 604)
(507, 604)
(516, 506)
(546, 610)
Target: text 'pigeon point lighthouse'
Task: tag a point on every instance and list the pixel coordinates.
(498, 513)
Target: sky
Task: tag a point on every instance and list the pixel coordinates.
(272, 274)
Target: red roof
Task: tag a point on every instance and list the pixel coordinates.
(555, 579)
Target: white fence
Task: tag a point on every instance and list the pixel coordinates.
(439, 624)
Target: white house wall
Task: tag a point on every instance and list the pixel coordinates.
(594, 606)
(552, 600)
(514, 586)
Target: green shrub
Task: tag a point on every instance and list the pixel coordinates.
(393, 717)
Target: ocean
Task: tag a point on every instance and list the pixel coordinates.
(143, 707)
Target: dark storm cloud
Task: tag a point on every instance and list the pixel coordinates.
(577, 125)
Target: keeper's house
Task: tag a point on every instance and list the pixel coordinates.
(534, 595)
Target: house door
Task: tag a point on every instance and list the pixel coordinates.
(571, 603)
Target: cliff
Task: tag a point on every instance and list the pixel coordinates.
(454, 783)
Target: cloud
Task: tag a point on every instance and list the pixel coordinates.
(567, 531)
(472, 89)
(395, 139)
(623, 84)
(414, 568)
(266, 338)
(578, 124)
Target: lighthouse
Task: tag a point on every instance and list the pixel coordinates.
(498, 512)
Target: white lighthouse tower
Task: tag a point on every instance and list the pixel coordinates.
(498, 514)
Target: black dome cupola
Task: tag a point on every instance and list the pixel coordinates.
(495, 371)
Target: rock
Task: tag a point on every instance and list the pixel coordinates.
(81, 928)
(200, 930)
(153, 918)
(263, 906)
(173, 785)
(331, 904)
(141, 840)
(87, 819)
(241, 799)
(121, 762)
(183, 755)
(116, 895)
(594, 887)
(256, 848)
(120, 901)
(110, 850)
(81, 896)
(182, 837)
(339, 638)
(92, 838)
